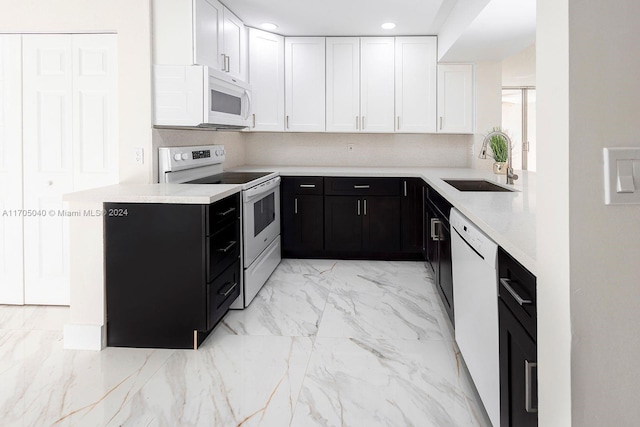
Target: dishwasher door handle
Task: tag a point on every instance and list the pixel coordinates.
(506, 283)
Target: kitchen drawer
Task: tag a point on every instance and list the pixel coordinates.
(308, 185)
(224, 248)
(522, 284)
(222, 213)
(221, 293)
(362, 186)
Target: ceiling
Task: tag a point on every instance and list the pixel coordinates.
(468, 30)
(344, 17)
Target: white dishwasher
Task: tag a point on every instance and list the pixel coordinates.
(475, 295)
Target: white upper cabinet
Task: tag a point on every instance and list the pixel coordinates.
(201, 32)
(266, 76)
(343, 84)
(416, 65)
(304, 59)
(234, 53)
(377, 94)
(455, 98)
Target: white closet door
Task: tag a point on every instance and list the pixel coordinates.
(377, 92)
(11, 279)
(95, 106)
(343, 84)
(48, 164)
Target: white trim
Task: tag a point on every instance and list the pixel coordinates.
(84, 337)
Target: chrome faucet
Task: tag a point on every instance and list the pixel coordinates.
(483, 153)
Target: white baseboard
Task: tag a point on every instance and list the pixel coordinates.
(84, 337)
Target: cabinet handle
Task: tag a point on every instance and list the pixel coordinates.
(287, 122)
(528, 382)
(405, 188)
(227, 212)
(295, 205)
(440, 122)
(228, 291)
(506, 284)
(362, 122)
(227, 68)
(254, 120)
(358, 207)
(360, 187)
(357, 123)
(398, 122)
(365, 207)
(434, 234)
(231, 244)
(224, 62)
(307, 186)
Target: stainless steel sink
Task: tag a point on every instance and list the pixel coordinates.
(475, 185)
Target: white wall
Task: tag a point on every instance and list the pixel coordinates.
(488, 107)
(331, 149)
(520, 69)
(131, 21)
(588, 253)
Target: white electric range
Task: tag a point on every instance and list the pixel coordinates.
(260, 207)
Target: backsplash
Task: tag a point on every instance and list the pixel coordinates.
(331, 149)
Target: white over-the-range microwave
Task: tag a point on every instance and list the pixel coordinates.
(199, 96)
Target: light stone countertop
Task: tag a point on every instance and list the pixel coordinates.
(508, 218)
(198, 194)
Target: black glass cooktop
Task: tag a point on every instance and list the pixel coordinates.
(230, 178)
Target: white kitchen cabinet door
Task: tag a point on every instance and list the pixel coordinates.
(343, 84)
(266, 76)
(208, 24)
(377, 93)
(70, 143)
(416, 69)
(235, 46)
(455, 98)
(11, 271)
(304, 84)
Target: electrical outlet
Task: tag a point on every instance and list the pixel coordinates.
(350, 148)
(139, 155)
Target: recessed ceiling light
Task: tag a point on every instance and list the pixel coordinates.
(388, 25)
(268, 26)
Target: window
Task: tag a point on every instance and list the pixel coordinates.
(519, 121)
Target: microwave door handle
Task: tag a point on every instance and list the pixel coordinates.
(248, 95)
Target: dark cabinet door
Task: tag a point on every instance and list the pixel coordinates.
(411, 205)
(445, 270)
(381, 224)
(308, 223)
(518, 373)
(343, 223)
(287, 214)
(431, 240)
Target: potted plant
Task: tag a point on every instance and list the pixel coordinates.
(499, 152)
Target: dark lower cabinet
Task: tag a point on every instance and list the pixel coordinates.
(381, 224)
(518, 351)
(411, 206)
(437, 246)
(171, 271)
(518, 373)
(343, 223)
(302, 216)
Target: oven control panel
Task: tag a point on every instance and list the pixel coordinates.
(178, 158)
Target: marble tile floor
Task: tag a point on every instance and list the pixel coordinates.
(325, 343)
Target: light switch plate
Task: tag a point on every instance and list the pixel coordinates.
(621, 175)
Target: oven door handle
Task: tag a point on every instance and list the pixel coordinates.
(259, 190)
